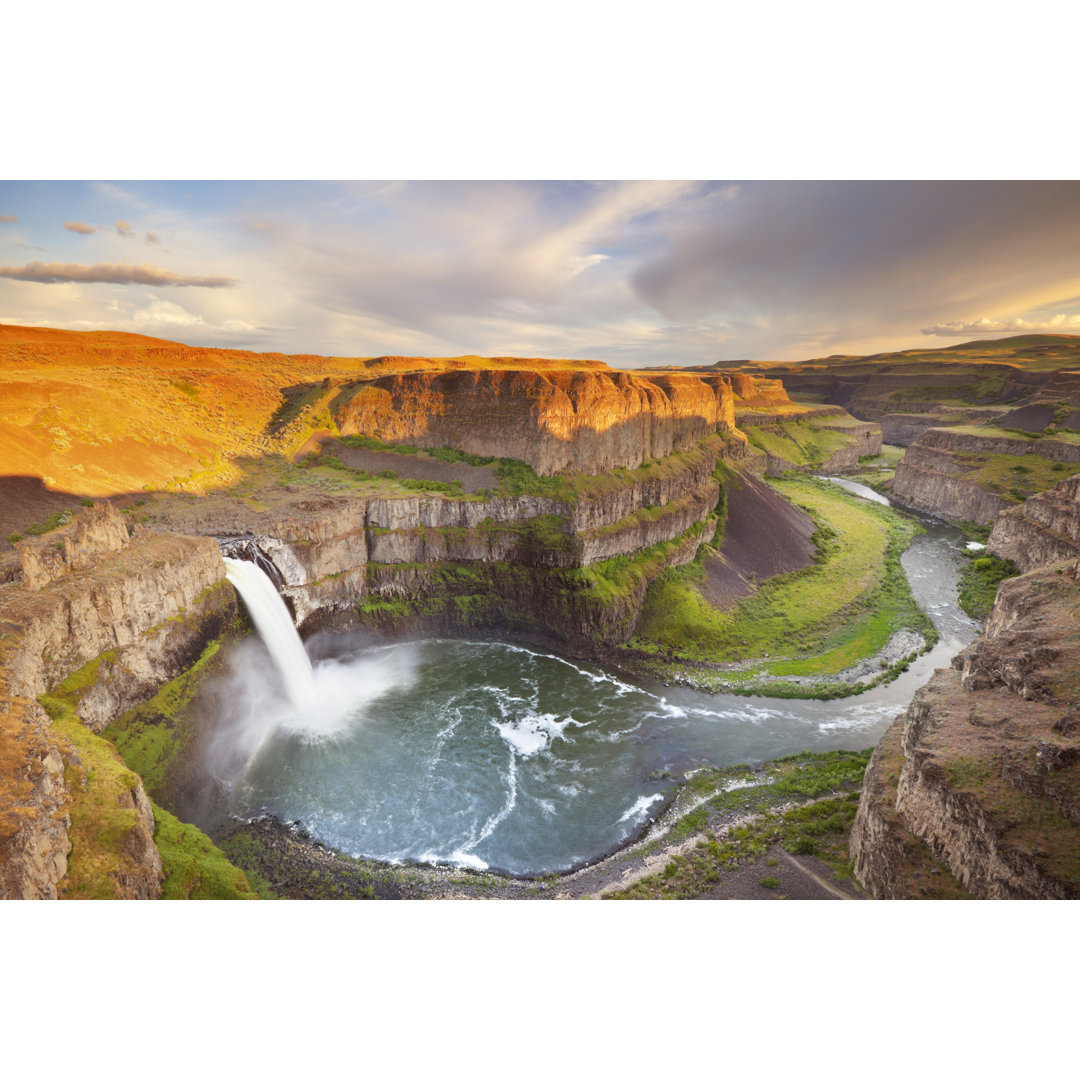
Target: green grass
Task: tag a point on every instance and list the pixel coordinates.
(102, 817)
(101, 811)
(801, 442)
(979, 581)
(195, 869)
(518, 478)
(148, 736)
(1017, 476)
(815, 621)
(55, 520)
(827, 786)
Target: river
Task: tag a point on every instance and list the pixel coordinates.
(486, 755)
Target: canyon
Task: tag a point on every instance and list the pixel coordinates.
(531, 501)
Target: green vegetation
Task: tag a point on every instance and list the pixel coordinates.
(187, 388)
(815, 621)
(802, 442)
(55, 520)
(195, 869)
(1016, 476)
(148, 737)
(518, 478)
(102, 809)
(275, 871)
(104, 828)
(826, 784)
(979, 581)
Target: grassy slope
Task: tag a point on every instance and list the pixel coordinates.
(819, 620)
(827, 785)
(98, 780)
(802, 442)
(105, 413)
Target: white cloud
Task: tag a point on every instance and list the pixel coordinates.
(1061, 324)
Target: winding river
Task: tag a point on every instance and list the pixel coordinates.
(486, 755)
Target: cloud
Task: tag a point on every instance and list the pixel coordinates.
(124, 229)
(1061, 324)
(152, 238)
(79, 227)
(5, 218)
(852, 260)
(109, 274)
(29, 247)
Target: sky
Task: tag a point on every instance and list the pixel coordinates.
(634, 273)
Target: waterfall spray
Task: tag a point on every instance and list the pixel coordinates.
(275, 626)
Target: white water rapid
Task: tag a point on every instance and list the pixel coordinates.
(275, 626)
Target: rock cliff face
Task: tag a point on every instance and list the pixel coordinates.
(931, 479)
(982, 774)
(145, 606)
(1042, 530)
(940, 472)
(34, 823)
(557, 421)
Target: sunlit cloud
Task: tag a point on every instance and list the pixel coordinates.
(634, 273)
(109, 274)
(79, 227)
(6, 219)
(1062, 324)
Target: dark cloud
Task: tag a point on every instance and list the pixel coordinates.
(124, 229)
(109, 274)
(851, 254)
(153, 238)
(79, 227)
(4, 217)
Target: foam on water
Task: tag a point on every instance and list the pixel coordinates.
(531, 734)
(640, 809)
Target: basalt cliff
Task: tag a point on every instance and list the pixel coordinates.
(978, 784)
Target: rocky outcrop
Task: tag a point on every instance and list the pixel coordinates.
(142, 606)
(557, 421)
(1043, 529)
(94, 533)
(988, 769)
(929, 478)
(34, 822)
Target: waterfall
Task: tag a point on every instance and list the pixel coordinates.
(275, 626)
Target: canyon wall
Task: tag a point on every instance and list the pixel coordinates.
(940, 473)
(980, 778)
(556, 421)
(143, 607)
(1042, 530)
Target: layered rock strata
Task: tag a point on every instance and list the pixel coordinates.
(143, 606)
(557, 421)
(1042, 530)
(935, 477)
(984, 768)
